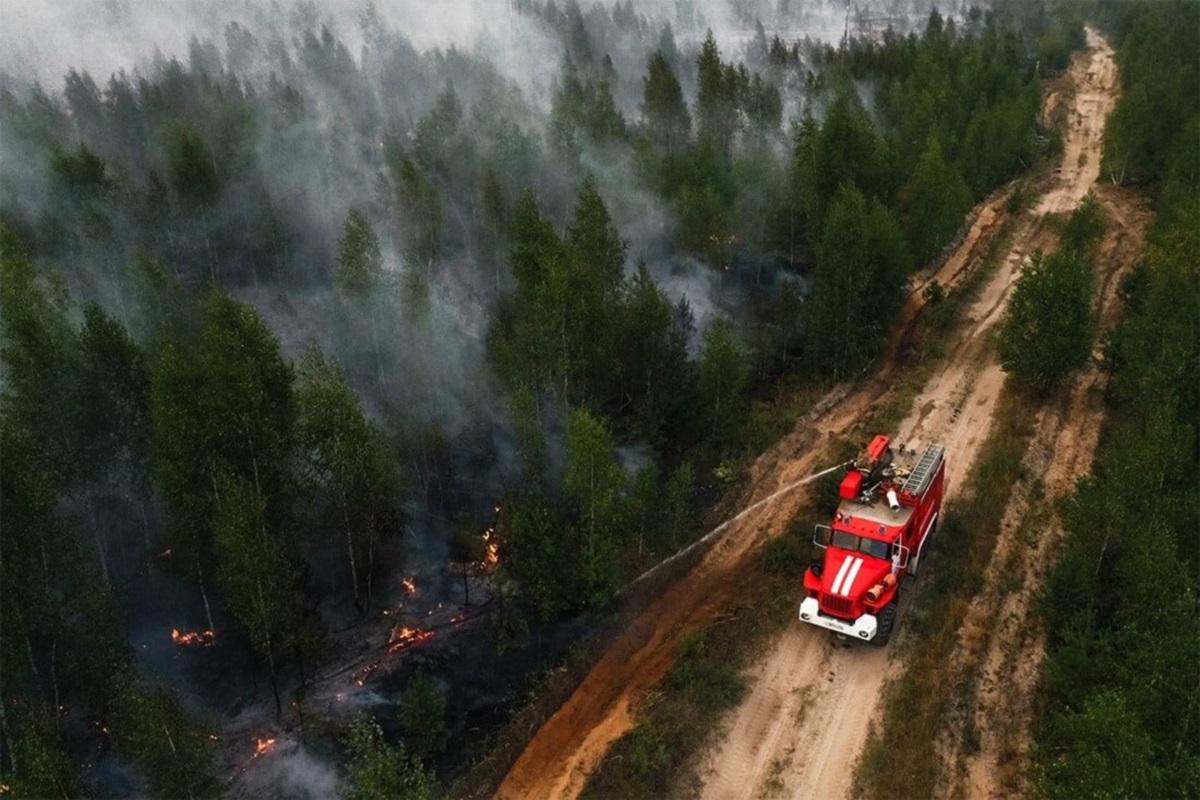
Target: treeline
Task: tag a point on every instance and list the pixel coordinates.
(955, 116)
(1120, 706)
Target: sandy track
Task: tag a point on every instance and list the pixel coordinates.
(1001, 650)
(806, 677)
(766, 752)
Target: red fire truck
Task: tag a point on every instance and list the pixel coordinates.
(889, 507)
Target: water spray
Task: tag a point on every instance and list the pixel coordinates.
(706, 538)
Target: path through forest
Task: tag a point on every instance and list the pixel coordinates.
(806, 717)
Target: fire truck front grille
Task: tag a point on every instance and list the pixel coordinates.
(841, 606)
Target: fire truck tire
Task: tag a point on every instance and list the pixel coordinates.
(887, 621)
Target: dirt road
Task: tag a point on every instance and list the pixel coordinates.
(807, 717)
(806, 684)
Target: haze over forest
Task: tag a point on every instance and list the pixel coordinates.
(358, 357)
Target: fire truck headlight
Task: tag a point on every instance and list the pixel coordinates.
(863, 634)
(804, 615)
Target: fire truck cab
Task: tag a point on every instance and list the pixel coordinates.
(888, 511)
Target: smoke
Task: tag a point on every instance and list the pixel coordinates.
(310, 110)
(289, 771)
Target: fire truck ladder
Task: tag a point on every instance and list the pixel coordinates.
(921, 476)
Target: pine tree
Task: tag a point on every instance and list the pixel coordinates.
(344, 455)
(935, 202)
(857, 286)
(663, 109)
(255, 572)
(593, 481)
(715, 107)
(235, 374)
(722, 379)
(1047, 332)
(595, 242)
(359, 261)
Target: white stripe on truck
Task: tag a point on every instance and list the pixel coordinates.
(849, 584)
(837, 581)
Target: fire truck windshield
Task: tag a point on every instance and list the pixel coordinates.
(861, 544)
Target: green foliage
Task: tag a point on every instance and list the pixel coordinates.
(379, 771)
(715, 100)
(359, 261)
(594, 482)
(1160, 96)
(1084, 228)
(583, 111)
(254, 570)
(677, 504)
(172, 750)
(848, 151)
(1120, 707)
(857, 287)
(193, 170)
(345, 456)
(423, 716)
(41, 767)
(722, 381)
(935, 202)
(531, 437)
(594, 241)
(647, 761)
(1047, 332)
(538, 554)
(663, 109)
(116, 381)
(81, 171)
(235, 374)
(654, 373)
(42, 361)
(558, 332)
(1106, 753)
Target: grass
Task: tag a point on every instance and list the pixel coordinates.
(903, 750)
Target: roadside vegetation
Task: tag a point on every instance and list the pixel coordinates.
(1120, 706)
(1048, 332)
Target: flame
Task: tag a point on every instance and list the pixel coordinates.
(491, 547)
(410, 585)
(205, 638)
(403, 637)
(263, 746)
(400, 640)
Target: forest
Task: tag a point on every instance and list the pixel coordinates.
(1119, 703)
(310, 330)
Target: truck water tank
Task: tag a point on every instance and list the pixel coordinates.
(851, 485)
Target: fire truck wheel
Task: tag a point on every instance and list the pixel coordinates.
(887, 621)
